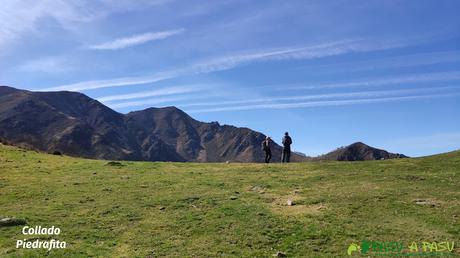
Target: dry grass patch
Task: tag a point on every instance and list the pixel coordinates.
(293, 205)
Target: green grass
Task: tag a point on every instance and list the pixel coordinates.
(214, 210)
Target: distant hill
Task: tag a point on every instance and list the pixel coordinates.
(74, 124)
(359, 151)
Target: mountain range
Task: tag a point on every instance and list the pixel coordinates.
(74, 124)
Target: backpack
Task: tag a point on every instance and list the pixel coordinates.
(287, 141)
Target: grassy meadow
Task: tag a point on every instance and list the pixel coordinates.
(162, 209)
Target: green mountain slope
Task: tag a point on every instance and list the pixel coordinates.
(142, 209)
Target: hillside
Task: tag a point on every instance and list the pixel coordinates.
(76, 125)
(156, 209)
(359, 151)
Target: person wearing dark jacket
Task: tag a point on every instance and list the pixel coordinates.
(287, 141)
(266, 147)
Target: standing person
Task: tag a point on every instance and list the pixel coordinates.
(287, 141)
(266, 147)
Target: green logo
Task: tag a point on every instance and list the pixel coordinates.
(380, 248)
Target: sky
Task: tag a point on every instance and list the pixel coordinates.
(331, 73)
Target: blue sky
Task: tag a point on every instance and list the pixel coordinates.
(330, 72)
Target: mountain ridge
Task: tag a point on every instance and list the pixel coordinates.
(74, 124)
(77, 125)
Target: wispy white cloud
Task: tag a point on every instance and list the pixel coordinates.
(420, 59)
(23, 18)
(303, 52)
(360, 94)
(231, 61)
(135, 40)
(414, 78)
(154, 101)
(20, 18)
(156, 92)
(319, 103)
(165, 99)
(117, 82)
(46, 65)
(267, 103)
(214, 66)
